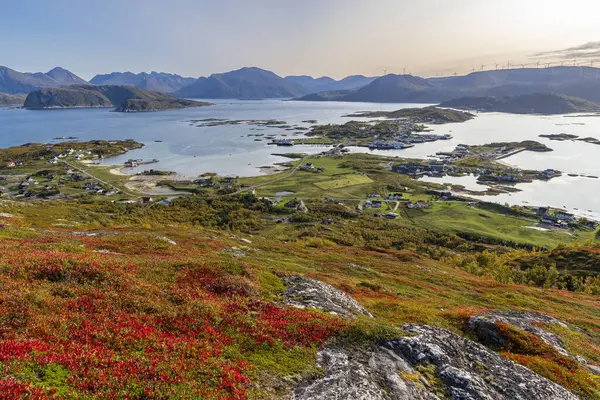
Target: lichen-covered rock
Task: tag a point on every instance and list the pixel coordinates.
(484, 326)
(310, 293)
(470, 370)
(368, 375)
(432, 365)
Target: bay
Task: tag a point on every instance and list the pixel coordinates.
(229, 150)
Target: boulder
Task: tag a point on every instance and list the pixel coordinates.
(484, 326)
(304, 292)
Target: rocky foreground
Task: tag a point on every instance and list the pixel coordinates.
(429, 363)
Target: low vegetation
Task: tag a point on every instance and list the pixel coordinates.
(182, 298)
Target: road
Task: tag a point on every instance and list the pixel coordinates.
(96, 178)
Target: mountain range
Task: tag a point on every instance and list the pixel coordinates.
(325, 83)
(256, 83)
(155, 81)
(580, 82)
(246, 83)
(12, 81)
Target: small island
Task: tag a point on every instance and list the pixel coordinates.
(429, 115)
(561, 137)
(124, 98)
(539, 103)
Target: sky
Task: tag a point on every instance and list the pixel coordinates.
(302, 37)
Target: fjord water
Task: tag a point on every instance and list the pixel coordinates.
(228, 150)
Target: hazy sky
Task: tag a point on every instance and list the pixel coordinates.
(315, 37)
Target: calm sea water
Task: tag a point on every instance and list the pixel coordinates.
(228, 150)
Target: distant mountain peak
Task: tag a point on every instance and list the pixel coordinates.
(64, 77)
(245, 82)
(12, 81)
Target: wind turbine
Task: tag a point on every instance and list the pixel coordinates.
(523, 66)
(473, 70)
(384, 71)
(508, 65)
(538, 64)
(575, 62)
(497, 66)
(562, 63)
(403, 71)
(547, 65)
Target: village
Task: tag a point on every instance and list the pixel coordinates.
(479, 161)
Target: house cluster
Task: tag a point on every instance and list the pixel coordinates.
(402, 136)
(311, 168)
(205, 182)
(27, 182)
(561, 218)
(416, 170)
(379, 145)
(131, 163)
(423, 137)
(282, 142)
(77, 154)
(549, 174)
(373, 204)
(390, 215)
(98, 189)
(419, 205)
(460, 151)
(485, 173)
(297, 205)
(13, 164)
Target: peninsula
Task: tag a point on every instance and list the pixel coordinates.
(124, 98)
(540, 103)
(433, 115)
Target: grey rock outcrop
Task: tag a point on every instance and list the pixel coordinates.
(484, 326)
(362, 376)
(432, 364)
(471, 371)
(304, 292)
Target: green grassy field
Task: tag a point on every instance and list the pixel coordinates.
(344, 181)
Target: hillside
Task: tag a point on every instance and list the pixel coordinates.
(125, 98)
(12, 81)
(245, 83)
(12, 99)
(570, 81)
(540, 103)
(108, 293)
(155, 81)
(213, 299)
